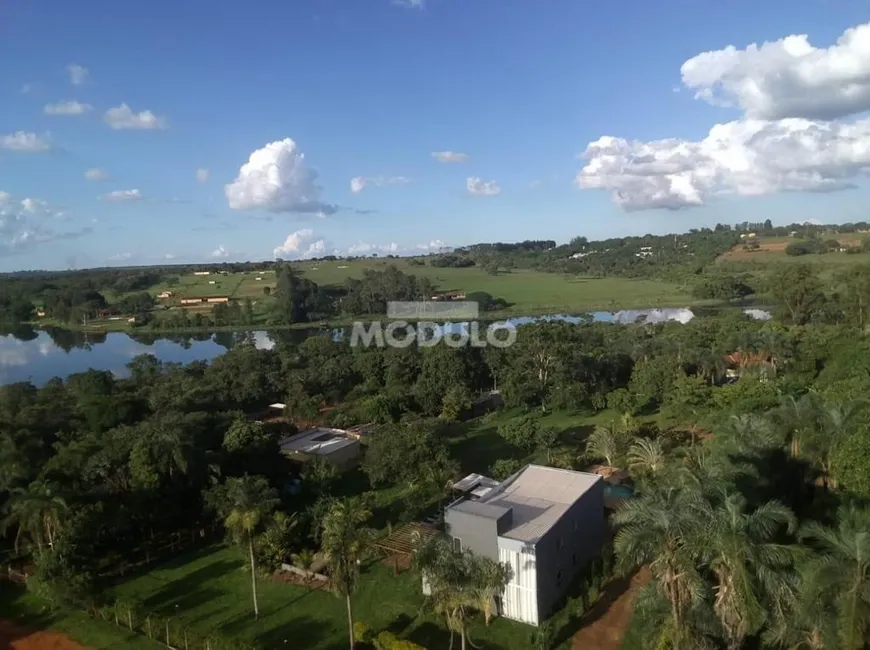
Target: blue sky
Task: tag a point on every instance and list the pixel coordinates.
(370, 89)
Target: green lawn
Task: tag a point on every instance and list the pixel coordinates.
(30, 611)
(210, 590)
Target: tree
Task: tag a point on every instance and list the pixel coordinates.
(607, 442)
(489, 582)
(750, 568)
(246, 505)
(798, 288)
(646, 456)
(346, 541)
(35, 512)
(546, 440)
(521, 432)
(661, 529)
(840, 573)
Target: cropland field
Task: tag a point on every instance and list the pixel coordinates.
(772, 251)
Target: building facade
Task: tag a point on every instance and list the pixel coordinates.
(544, 523)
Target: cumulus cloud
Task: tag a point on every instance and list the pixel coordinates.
(22, 224)
(25, 142)
(220, 253)
(450, 156)
(746, 157)
(363, 248)
(77, 74)
(301, 244)
(120, 257)
(122, 195)
(96, 174)
(359, 183)
(123, 117)
(477, 186)
(202, 175)
(277, 179)
(787, 78)
(70, 107)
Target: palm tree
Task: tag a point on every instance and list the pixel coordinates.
(607, 442)
(798, 418)
(490, 580)
(808, 621)
(840, 573)
(748, 433)
(345, 542)
(646, 456)
(246, 505)
(836, 422)
(748, 566)
(35, 511)
(661, 529)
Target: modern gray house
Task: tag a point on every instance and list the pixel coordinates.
(545, 523)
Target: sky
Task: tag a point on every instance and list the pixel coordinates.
(204, 131)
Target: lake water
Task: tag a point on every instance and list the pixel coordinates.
(37, 355)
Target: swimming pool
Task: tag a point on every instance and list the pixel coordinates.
(617, 491)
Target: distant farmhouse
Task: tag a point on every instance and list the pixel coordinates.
(545, 523)
(338, 446)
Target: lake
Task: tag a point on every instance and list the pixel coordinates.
(38, 355)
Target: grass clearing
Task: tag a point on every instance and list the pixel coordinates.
(210, 590)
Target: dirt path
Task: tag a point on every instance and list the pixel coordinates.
(608, 620)
(14, 637)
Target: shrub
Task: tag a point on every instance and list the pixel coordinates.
(389, 641)
(361, 632)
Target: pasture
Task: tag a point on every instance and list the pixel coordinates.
(772, 251)
(529, 292)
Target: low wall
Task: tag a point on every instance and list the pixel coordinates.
(309, 575)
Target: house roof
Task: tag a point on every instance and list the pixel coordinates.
(319, 441)
(538, 497)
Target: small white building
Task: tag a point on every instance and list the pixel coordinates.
(202, 272)
(338, 446)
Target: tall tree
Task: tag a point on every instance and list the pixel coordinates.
(35, 512)
(840, 573)
(246, 505)
(346, 540)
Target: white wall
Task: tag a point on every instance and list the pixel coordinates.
(520, 600)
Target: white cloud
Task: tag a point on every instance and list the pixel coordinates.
(363, 248)
(120, 257)
(301, 244)
(787, 78)
(122, 195)
(450, 156)
(169, 256)
(410, 4)
(32, 206)
(276, 179)
(27, 88)
(202, 175)
(22, 224)
(77, 74)
(220, 252)
(479, 187)
(96, 174)
(71, 107)
(747, 158)
(123, 117)
(359, 183)
(26, 142)
(433, 245)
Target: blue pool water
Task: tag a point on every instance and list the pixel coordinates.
(612, 491)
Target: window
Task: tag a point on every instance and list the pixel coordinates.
(457, 544)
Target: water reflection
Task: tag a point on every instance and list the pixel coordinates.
(37, 356)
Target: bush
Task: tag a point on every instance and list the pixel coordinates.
(504, 467)
(389, 641)
(362, 633)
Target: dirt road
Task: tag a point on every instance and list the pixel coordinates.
(611, 615)
(14, 637)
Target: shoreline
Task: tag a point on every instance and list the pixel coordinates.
(124, 327)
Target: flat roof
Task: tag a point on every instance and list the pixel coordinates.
(538, 496)
(320, 441)
(473, 481)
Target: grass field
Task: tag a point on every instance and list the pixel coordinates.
(530, 292)
(772, 251)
